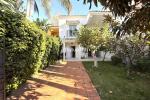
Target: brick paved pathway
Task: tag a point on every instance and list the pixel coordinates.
(61, 82)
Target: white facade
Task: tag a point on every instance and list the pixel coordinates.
(68, 26)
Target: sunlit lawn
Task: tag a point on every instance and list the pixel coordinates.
(112, 84)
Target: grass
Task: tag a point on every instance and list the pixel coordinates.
(112, 84)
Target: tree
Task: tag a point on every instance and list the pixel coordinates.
(90, 38)
(43, 24)
(135, 13)
(130, 49)
(106, 38)
(7, 5)
(32, 6)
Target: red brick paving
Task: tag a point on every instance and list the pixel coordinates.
(61, 82)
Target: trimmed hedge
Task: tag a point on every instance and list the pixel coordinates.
(27, 48)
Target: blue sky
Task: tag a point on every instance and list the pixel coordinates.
(56, 9)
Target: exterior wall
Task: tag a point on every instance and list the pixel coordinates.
(107, 56)
(63, 27)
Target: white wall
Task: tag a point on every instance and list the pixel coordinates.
(63, 28)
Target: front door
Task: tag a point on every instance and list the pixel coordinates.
(73, 51)
(89, 53)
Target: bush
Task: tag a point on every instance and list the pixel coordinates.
(52, 51)
(143, 65)
(27, 48)
(116, 60)
(46, 60)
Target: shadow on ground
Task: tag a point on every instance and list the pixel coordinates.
(60, 82)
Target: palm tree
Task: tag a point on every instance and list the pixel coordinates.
(6, 4)
(32, 6)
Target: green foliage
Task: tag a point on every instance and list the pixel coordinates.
(116, 60)
(46, 58)
(2, 30)
(130, 47)
(55, 49)
(27, 48)
(89, 37)
(52, 51)
(106, 37)
(43, 24)
(135, 12)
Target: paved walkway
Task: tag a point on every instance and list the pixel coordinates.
(61, 82)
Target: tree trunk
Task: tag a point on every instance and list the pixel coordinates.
(104, 55)
(149, 52)
(94, 57)
(128, 65)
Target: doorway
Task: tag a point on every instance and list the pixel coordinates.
(89, 53)
(73, 51)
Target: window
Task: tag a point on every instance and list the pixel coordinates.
(72, 27)
(72, 30)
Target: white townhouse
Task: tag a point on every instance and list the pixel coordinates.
(68, 27)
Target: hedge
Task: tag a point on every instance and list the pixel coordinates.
(27, 48)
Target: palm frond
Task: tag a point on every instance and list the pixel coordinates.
(46, 5)
(36, 8)
(30, 7)
(18, 4)
(7, 4)
(66, 4)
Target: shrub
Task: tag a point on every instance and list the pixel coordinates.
(27, 48)
(46, 60)
(24, 49)
(143, 65)
(116, 60)
(52, 51)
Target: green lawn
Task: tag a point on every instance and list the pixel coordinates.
(112, 84)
